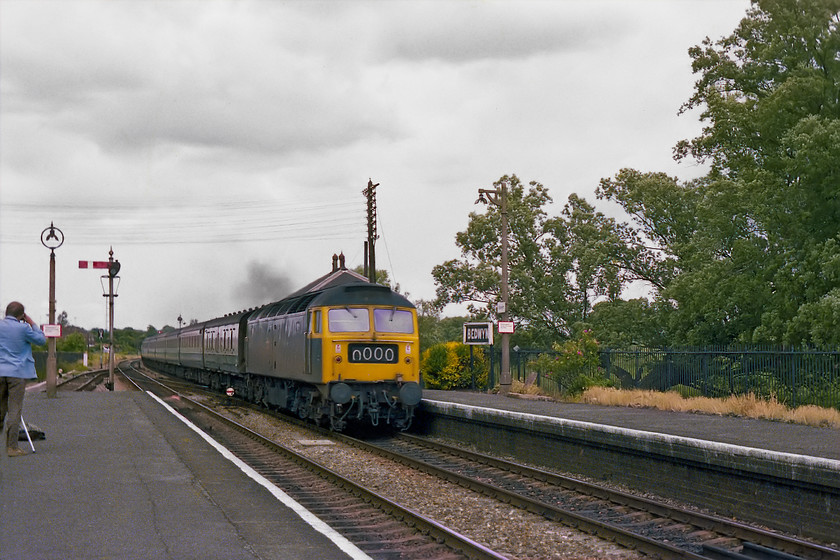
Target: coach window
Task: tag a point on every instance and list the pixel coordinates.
(348, 319)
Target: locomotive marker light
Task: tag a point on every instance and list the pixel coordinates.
(52, 241)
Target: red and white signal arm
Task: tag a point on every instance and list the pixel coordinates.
(51, 331)
(506, 327)
(93, 264)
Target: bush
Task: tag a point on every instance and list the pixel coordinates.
(576, 365)
(447, 366)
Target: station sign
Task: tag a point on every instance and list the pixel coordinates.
(506, 327)
(478, 333)
(51, 331)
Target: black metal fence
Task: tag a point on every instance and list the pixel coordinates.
(63, 359)
(794, 377)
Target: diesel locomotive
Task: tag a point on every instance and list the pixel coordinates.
(339, 350)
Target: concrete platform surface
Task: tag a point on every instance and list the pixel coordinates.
(121, 477)
(781, 437)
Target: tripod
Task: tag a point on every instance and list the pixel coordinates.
(25, 429)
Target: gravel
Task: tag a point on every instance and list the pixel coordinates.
(509, 531)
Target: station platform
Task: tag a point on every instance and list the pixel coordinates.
(120, 477)
(775, 474)
(781, 437)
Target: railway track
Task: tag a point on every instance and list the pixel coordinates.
(655, 529)
(380, 527)
(87, 381)
(651, 527)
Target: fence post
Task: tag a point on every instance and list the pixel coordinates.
(491, 382)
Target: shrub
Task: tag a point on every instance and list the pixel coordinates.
(575, 366)
(447, 366)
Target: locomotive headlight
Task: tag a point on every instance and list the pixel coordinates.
(407, 360)
(338, 359)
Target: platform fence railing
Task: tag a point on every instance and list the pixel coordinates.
(794, 377)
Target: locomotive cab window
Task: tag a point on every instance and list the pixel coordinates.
(393, 320)
(315, 322)
(349, 319)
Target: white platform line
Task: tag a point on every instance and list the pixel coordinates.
(346, 546)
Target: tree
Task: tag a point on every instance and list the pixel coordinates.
(745, 254)
(73, 342)
(627, 323)
(589, 245)
(558, 266)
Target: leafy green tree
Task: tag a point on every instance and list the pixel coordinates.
(628, 323)
(589, 247)
(748, 252)
(128, 340)
(557, 266)
(73, 342)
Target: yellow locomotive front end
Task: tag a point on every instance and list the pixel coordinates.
(371, 344)
(369, 358)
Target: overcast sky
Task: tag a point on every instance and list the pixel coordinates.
(221, 147)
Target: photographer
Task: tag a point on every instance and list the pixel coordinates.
(18, 332)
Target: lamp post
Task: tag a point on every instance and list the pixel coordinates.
(52, 238)
(498, 197)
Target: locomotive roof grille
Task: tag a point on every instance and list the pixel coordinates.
(361, 294)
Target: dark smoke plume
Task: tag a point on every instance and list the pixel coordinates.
(263, 285)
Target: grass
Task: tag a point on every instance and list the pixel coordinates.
(748, 406)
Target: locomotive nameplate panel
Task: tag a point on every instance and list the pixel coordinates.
(373, 353)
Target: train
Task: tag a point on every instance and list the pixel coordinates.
(339, 351)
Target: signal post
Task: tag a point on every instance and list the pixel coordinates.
(113, 268)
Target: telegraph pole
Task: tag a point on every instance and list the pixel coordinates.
(370, 251)
(498, 197)
(52, 241)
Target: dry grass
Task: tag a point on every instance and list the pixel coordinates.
(520, 387)
(745, 405)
